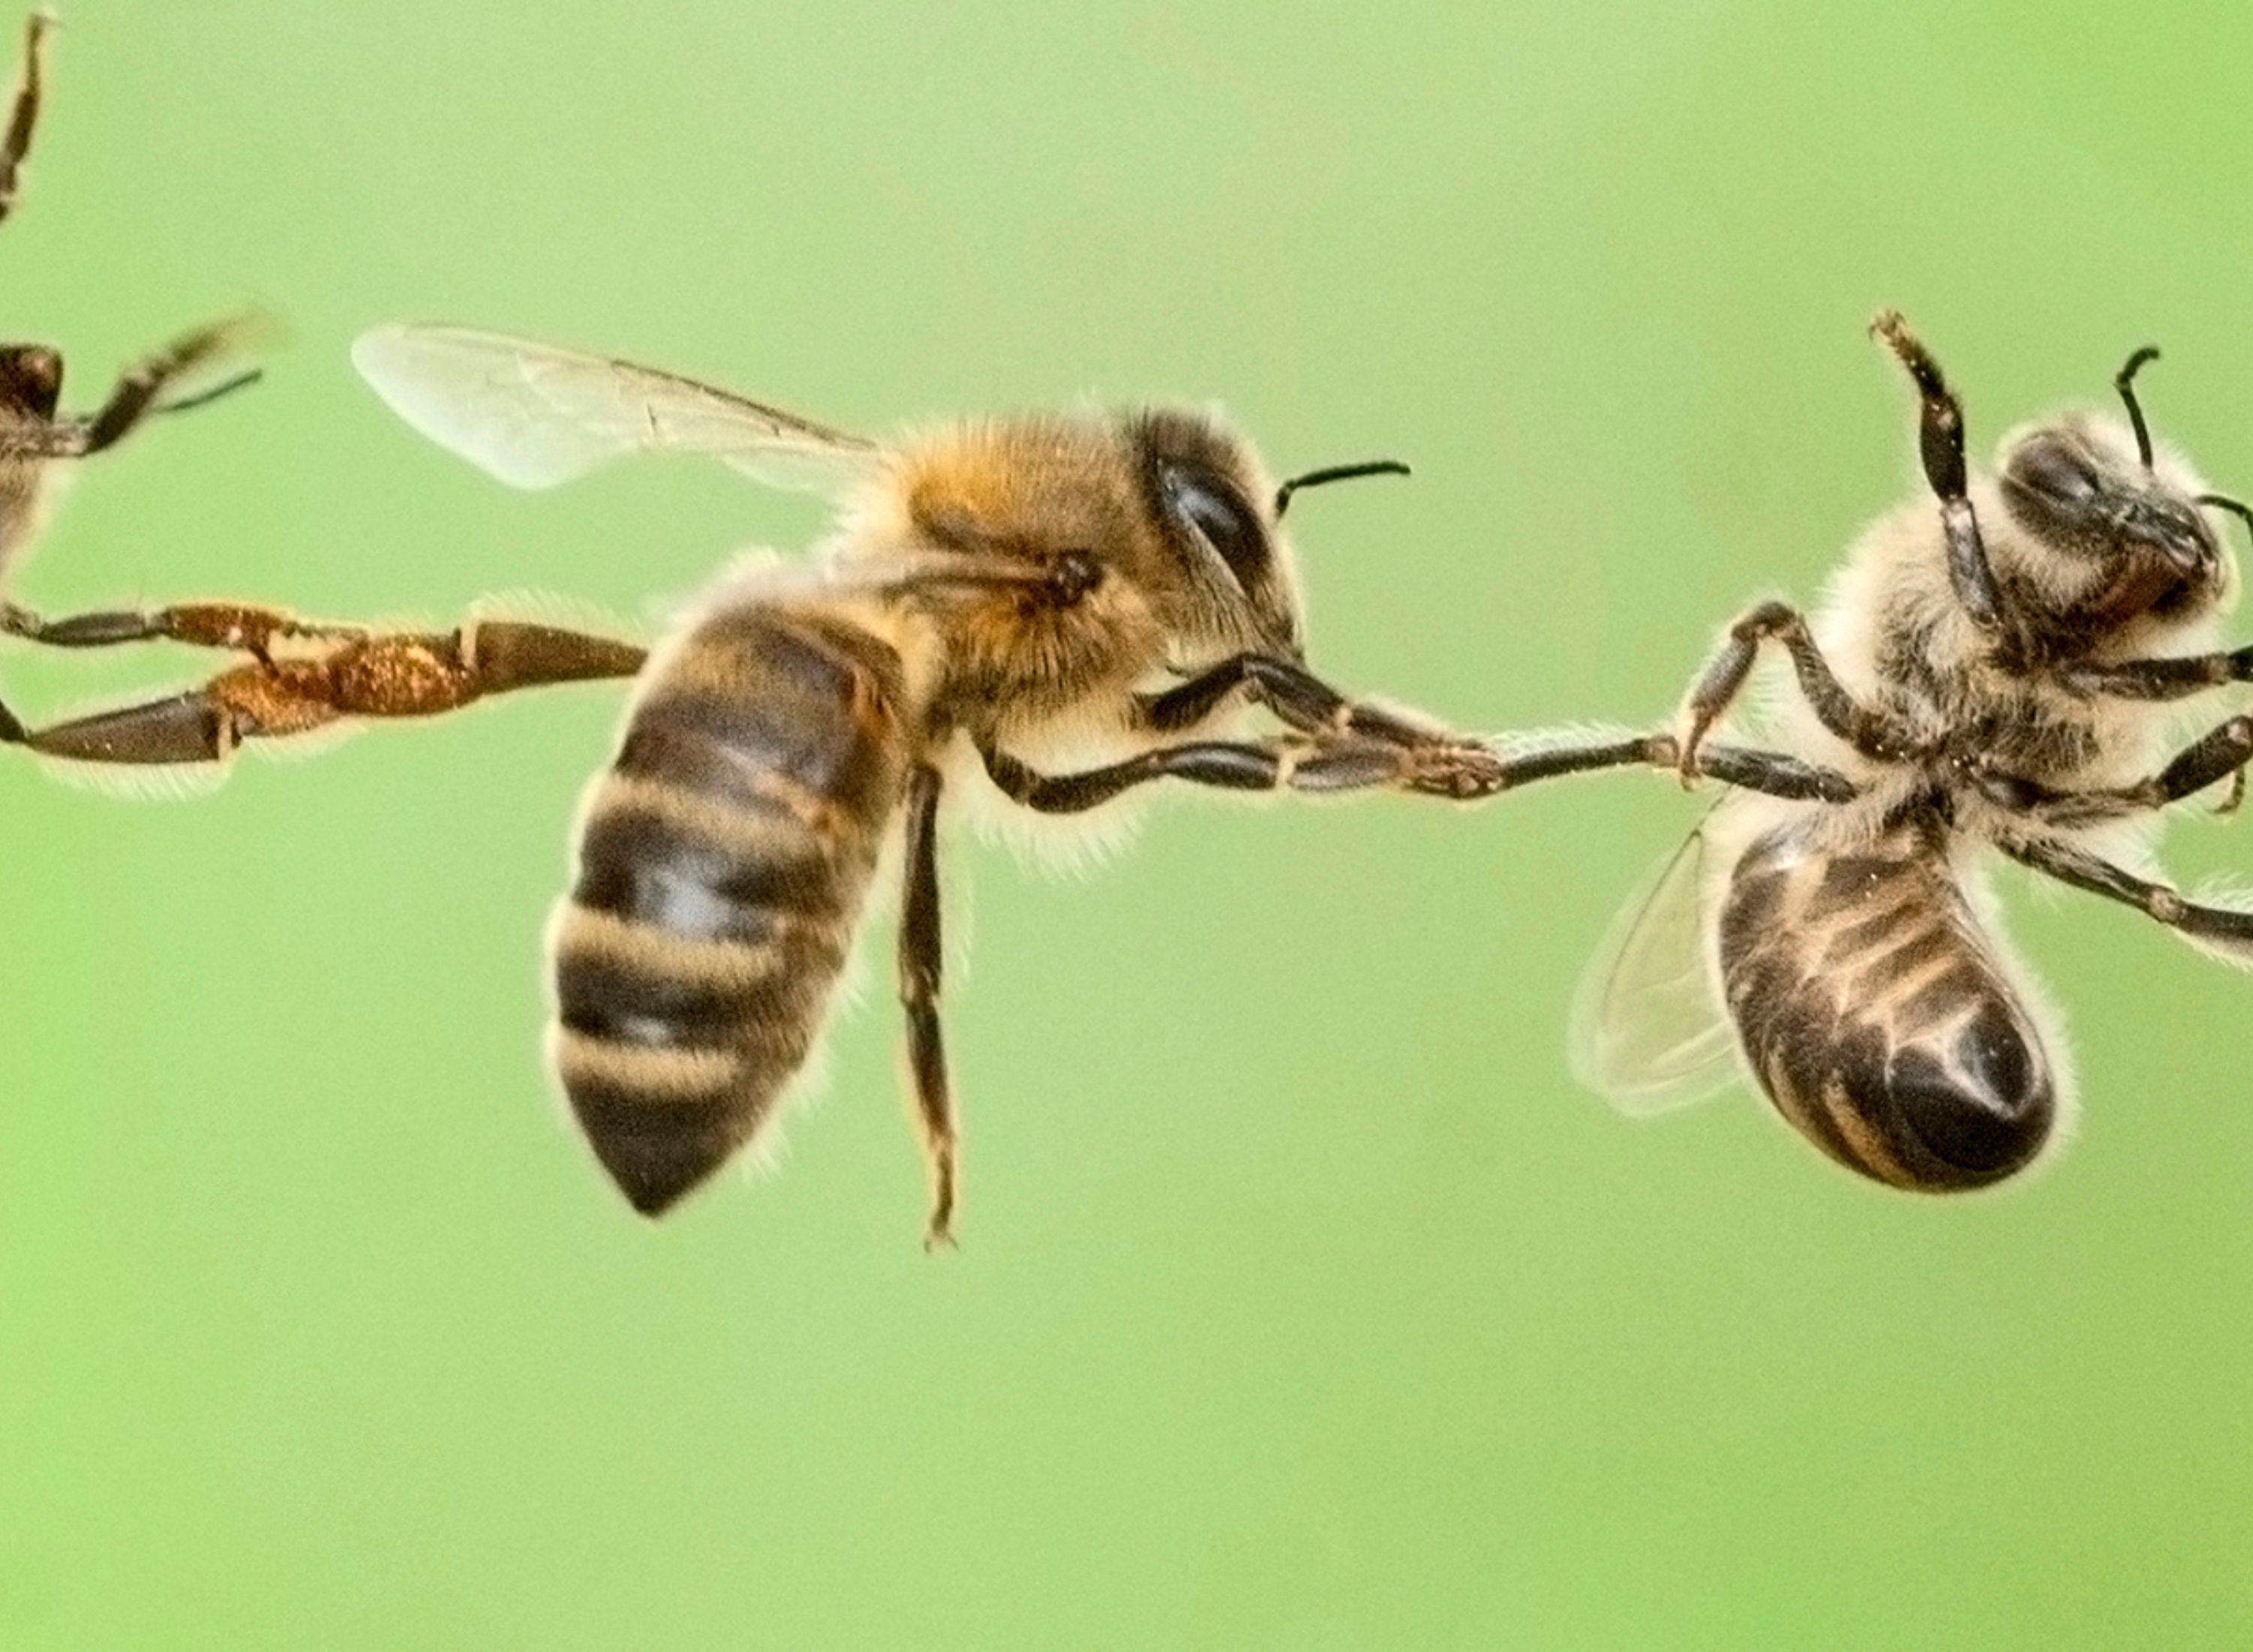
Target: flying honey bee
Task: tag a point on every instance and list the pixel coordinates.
(1996, 673)
(1116, 587)
(34, 438)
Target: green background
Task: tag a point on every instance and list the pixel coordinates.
(1302, 1300)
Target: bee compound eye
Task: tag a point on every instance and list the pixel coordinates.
(1210, 508)
(2055, 472)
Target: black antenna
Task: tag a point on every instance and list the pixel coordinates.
(2224, 502)
(2122, 381)
(242, 381)
(1336, 473)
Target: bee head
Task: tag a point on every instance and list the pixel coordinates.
(2127, 532)
(1210, 503)
(30, 379)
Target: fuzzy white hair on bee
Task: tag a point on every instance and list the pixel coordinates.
(1997, 670)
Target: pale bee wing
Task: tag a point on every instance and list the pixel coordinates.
(534, 415)
(1649, 1033)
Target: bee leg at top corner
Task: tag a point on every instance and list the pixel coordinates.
(919, 964)
(23, 118)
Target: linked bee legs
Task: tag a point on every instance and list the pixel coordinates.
(17, 145)
(1343, 764)
(1339, 763)
(1940, 444)
(920, 958)
(346, 673)
(1528, 759)
(1719, 685)
(2220, 927)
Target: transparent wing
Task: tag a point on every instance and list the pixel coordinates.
(1648, 1030)
(536, 415)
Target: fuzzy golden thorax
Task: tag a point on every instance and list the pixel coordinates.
(1170, 514)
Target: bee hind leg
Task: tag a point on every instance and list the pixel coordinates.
(352, 674)
(203, 725)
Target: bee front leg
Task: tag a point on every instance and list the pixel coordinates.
(1717, 687)
(1449, 764)
(2175, 678)
(919, 964)
(1940, 445)
(1293, 693)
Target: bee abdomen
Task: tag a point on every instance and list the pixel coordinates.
(1877, 1022)
(722, 866)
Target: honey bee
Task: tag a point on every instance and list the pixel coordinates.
(992, 592)
(34, 438)
(1995, 674)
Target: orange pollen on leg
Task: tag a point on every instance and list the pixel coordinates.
(399, 677)
(286, 700)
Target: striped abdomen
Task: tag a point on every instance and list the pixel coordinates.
(1877, 1016)
(722, 863)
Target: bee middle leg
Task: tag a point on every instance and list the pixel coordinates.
(2221, 753)
(920, 958)
(1717, 687)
